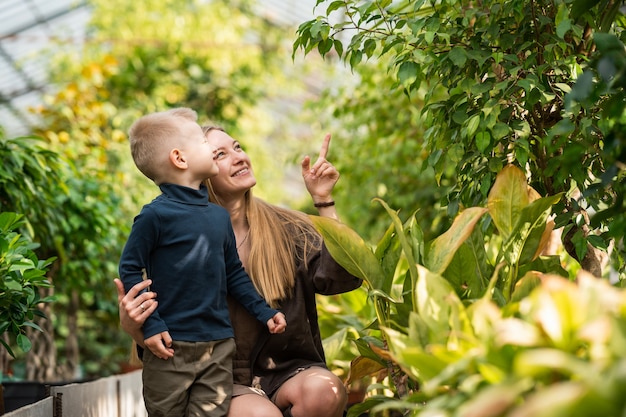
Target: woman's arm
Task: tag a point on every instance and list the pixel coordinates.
(135, 309)
(328, 276)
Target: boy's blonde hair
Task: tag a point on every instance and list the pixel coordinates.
(149, 135)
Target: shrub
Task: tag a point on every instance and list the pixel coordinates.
(21, 275)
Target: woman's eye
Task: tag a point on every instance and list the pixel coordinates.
(219, 154)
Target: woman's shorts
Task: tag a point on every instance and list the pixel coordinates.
(244, 389)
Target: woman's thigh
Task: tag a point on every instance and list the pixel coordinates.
(252, 405)
(314, 391)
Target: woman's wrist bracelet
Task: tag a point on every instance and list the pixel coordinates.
(325, 204)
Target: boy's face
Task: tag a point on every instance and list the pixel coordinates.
(199, 152)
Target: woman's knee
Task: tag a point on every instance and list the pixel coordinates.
(252, 405)
(328, 385)
(323, 390)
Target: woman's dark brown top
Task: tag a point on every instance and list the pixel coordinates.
(266, 361)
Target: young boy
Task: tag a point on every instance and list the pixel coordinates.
(186, 245)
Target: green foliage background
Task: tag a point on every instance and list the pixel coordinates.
(437, 98)
(524, 82)
(218, 58)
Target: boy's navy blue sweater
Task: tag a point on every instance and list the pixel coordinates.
(188, 249)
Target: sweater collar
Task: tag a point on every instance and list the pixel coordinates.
(186, 195)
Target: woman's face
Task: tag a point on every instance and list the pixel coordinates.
(235, 176)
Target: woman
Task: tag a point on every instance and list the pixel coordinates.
(281, 375)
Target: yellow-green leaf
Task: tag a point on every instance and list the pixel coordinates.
(507, 198)
(443, 248)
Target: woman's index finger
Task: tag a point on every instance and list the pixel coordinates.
(325, 146)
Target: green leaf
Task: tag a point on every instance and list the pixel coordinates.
(525, 285)
(472, 125)
(419, 364)
(443, 248)
(416, 236)
(23, 343)
(500, 130)
(563, 24)
(407, 72)
(315, 28)
(565, 399)
(333, 344)
(534, 96)
(545, 361)
(364, 345)
(350, 251)
(404, 243)
(580, 7)
(388, 251)
(324, 46)
(508, 196)
(469, 270)
(607, 42)
(458, 56)
(338, 47)
(335, 5)
(369, 46)
(583, 87)
(529, 230)
(12, 285)
(355, 58)
(562, 128)
(33, 325)
(494, 400)
(8, 348)
(22, 265)
(9, 221)
(597, 242)
(438, 305)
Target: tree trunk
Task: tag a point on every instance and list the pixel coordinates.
(594, 258)
(41, 361)
(4, 369)
(5, 358)
(72, 354)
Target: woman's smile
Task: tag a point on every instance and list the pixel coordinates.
(242, 171)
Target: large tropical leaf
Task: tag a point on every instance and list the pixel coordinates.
(351, 252)
(442, 249)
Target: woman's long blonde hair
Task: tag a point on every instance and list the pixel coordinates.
(279, 237)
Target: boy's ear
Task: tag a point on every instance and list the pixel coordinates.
(177, 158)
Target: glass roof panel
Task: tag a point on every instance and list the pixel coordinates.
(29, 28)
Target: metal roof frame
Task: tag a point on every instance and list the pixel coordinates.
(30, 28)
(27, 30)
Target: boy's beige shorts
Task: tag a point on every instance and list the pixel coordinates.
(197, 381)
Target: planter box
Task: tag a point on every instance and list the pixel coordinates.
(19, 394)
